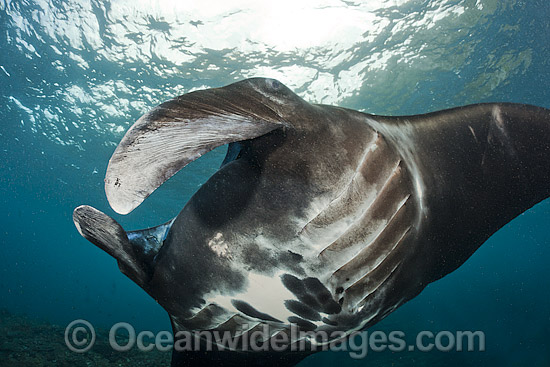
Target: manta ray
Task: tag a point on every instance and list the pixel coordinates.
(320, 218)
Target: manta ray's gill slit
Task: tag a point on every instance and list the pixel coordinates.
(378, 274)
(358, 296)
(330, 211)
(339, 218)
(378, 249)
(371, 220)
(361, 188)
(402, 136)
(371, 303)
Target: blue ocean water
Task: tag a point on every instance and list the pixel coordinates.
(75, 74)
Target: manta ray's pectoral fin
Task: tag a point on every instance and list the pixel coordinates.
(176, 133)
(476, 168)
(134, 251)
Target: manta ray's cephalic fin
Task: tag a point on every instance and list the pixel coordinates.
(176, 133)
(134, 251)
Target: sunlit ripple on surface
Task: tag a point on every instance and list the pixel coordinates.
(111, 61)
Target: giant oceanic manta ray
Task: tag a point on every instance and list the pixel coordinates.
(320, 217)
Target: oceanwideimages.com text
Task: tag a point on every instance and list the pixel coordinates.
(80, 337)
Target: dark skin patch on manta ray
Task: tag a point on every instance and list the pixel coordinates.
(302, 310)
(247, 309)
(312, 293)
(303, 324)
(292, 261)
(330, 322)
